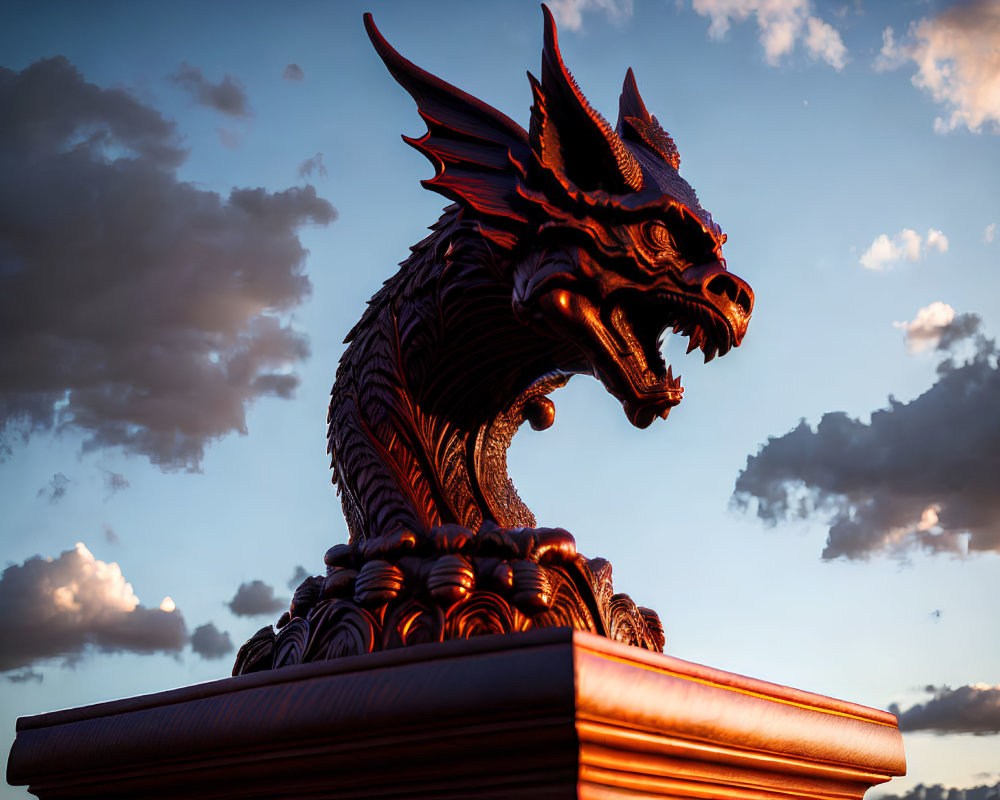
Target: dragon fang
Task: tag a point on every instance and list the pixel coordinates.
(570, 248)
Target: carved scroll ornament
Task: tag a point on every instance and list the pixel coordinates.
(570, 248)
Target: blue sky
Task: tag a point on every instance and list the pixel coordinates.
(854, 171)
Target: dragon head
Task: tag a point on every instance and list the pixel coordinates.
(607, 245)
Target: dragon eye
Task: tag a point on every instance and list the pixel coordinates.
(658, 236)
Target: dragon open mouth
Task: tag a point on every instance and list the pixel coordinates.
(621, 333)
(637, 322)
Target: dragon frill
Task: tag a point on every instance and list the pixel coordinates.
(570, 248)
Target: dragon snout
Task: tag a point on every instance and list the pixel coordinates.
(736, 289)
(730, 294)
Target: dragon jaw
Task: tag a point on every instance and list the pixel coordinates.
(620, 335)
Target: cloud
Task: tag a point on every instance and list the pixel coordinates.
(824, 43)
(937, 327)
(228, 96)
(24, 676)
(989, 233)
(781, 24)
(293, 72)
(139, 309)
(936, 241)
(298, 576)
(115, 482)
(211, 643)
(56, 489)
(256, 598)
(62, 606)
(230, 139)
(568, 14)
(939, 792)
(957, 61)
(110, 535)
(919, 475)
(967, 709)
(884, 252)
(311, 165)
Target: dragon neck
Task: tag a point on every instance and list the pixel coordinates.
(420, 425)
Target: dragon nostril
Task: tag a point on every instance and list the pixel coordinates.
(723, 284)
(732, 288)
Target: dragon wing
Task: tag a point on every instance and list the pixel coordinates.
(477, 152)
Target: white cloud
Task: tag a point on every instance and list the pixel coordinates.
(891, 55)
(924, 332)
(989, 233)
(937, 241)
(910, 243)
(59, 606)
(957, 61)
(569, 13)
(781, 24)
(907, 244)
(882, 252)
(824, 43)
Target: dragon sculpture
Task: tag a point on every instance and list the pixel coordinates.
(568, 249)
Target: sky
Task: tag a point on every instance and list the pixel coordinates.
(196, 200)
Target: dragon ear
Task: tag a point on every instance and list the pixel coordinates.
(637, 124)
(476, 151)
(569, 138)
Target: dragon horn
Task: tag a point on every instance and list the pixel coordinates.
(590, 153)
(637, 124)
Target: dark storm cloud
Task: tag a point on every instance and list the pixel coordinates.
(938, 326)
(209, 642)
(24, 676)
(964, 326)
(967, 709)
(939, 792)
(293, 72)
(311, 165)
(227, 96)
(133, 306)
(920, 475)
(256, 598)
(56, 489)
(298, 576)
(60, 607)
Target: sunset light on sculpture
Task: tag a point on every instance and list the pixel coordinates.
(195, 214)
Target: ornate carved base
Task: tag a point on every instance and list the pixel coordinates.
(546, 714)
(407, 588)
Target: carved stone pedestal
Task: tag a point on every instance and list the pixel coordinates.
(544, 714)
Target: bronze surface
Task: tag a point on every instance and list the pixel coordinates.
(543, 714)
(570, 248)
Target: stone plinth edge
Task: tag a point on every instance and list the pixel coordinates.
(545, 714)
